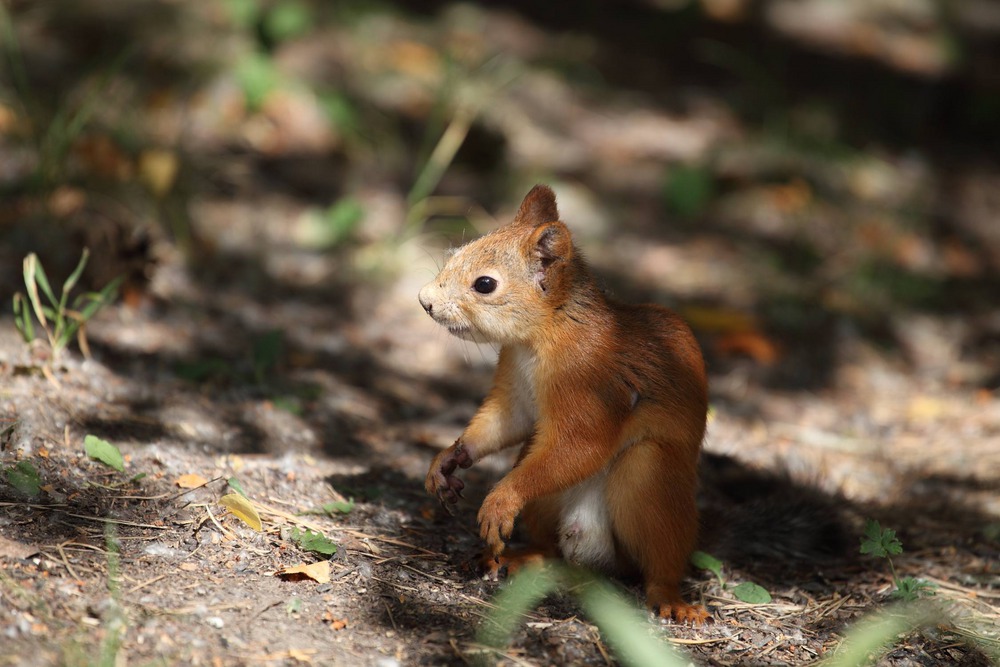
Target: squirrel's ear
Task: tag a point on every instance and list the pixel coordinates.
(550, 245)
(538, 207)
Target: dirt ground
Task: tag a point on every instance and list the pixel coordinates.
(854, 354)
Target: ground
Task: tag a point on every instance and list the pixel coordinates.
(836, 255)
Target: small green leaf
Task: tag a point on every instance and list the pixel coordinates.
(315, 542)
(202, 370)
(751, 593)
(104, 451)
(331, 508)
(258, 77)
(266, 352)
(290, 404)
(910, 589)
(287, 20)
(235, 485)
(689, 189)
(293, 606)
(24, 478)
(704, 561)
(880, 542)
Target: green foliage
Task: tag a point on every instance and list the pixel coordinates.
(235, 485)
(25, 478)
(623, 625)
(882, 543)
(287, 20)
(911, 588)
(267, 349)
(328, 227)
(689, 189)
(58, 319)
(331, 508)
(751, 593)
(104, 451)
(704, 561)
(257, 77)
(312, 541)
(747, 591)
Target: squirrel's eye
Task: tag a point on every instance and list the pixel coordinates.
(484, 284)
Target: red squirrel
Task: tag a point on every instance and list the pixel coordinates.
(609, 399)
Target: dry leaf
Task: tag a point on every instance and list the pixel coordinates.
(318, 571)
(190, 481)
(242, 509)
(16, 550)
(338, 623)
(300, 655)
(747, 344)
(158, 170)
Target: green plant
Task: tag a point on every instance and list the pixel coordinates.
(623, 625)
(746, 591)
(25, 478)
(882, 543)
(65, 321)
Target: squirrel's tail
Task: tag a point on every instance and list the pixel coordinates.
(764, 520)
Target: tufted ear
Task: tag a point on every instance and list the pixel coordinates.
(538, 207)
(551, 247)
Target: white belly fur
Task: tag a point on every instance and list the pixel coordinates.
(585, 527)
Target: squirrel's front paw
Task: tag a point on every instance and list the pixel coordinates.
(496, 518)
(441, 481)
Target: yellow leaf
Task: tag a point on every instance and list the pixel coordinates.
(318, 571)
(158, 170)
(242, 509)
(190, 481)
(300, 655)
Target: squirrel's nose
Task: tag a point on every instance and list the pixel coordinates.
(427, 305)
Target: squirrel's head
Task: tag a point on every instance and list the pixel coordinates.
(500, 288)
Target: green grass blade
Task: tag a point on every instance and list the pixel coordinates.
(43, 280)
(867, 640)
(524, 591)
(22, 318)
(31, 285)
(626, 629)
(74, 277)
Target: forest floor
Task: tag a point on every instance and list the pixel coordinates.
(267, 333)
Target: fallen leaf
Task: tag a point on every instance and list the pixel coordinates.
(300, 655)
(748, 344)
(158, 170)
(16, 550)
(104, 451)
(318, 571)
(242, 509)
(338, 624)
(190, 481)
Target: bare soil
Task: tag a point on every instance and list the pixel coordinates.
(844, 293)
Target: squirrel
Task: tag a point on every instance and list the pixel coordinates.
(609, 400)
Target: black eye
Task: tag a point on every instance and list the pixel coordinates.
(484, 284)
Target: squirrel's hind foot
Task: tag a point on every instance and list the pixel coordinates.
(510, 560)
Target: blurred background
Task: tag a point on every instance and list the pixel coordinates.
(814, 184)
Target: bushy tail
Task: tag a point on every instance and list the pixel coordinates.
(763, 520)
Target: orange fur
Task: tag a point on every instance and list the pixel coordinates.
(610, 401)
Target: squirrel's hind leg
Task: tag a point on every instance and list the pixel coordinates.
(651, 500)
